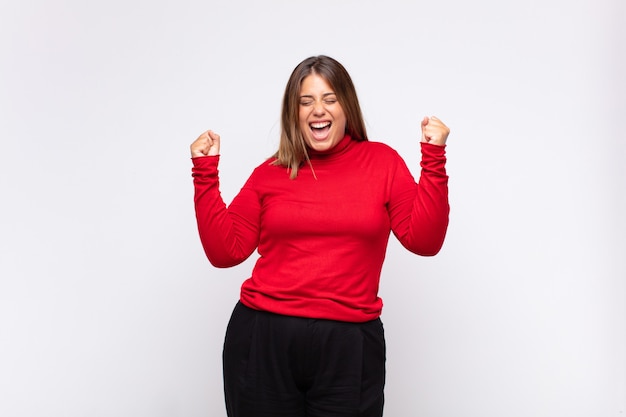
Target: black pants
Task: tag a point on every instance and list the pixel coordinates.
(283, 366)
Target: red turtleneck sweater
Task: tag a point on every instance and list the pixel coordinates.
(322, 237)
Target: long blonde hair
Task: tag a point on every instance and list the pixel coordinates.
(292, 149)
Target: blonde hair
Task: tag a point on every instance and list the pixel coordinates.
(292, 149)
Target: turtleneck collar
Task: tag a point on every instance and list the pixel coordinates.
(335, 150)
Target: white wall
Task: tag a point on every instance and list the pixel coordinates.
(107, 304)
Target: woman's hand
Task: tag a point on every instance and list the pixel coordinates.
(434, 131)
(207, 144)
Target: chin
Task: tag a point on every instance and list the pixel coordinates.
(323, 145)
(320, 146)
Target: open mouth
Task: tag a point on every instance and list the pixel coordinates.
(320, 129)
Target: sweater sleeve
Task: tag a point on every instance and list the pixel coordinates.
(229, 235)
(419, 212)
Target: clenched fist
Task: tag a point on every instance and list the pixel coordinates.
(207, 144)
(434, 131)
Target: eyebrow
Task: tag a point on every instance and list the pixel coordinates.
(323, 95)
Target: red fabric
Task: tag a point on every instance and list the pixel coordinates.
(322, 237)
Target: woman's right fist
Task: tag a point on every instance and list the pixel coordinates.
(207, 144)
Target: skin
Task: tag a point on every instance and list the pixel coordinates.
(434, 131)
(319, 106)
(207, 144)
(316, 105)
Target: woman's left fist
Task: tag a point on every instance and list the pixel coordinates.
(434, 131)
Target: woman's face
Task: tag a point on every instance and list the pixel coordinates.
(321, 117)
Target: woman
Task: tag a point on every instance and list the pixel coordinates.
(306, 339)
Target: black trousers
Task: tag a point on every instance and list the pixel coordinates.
(283, 366)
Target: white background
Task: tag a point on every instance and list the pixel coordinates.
(108, 306)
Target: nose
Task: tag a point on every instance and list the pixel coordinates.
(318, 108)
